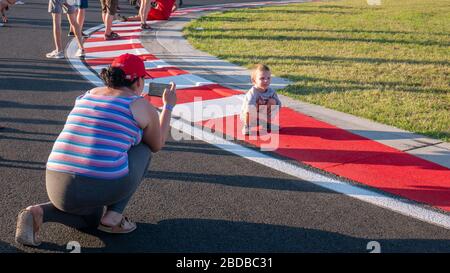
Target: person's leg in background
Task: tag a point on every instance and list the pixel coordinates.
(176, 6)
(109, 9)
(143, 12)
(55, 8)
(81, 15)
(72, 17)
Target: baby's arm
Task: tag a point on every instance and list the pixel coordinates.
(275, 97)
(248, 105)
(250, 98)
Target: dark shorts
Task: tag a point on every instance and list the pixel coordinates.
(83, 4)
(109, 6)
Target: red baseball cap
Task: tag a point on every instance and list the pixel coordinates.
(132, 66)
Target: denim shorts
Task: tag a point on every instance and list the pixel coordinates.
(58, 6)
(109, 6)
(83, 4)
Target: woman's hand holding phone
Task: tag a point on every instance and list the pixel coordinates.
(170, 96)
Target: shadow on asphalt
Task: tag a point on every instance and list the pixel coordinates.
(219, 236)
(8, 248)
(244, 181)
(36, 75)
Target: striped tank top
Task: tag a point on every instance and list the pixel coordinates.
(97, 135)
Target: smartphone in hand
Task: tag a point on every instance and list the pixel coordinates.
(157, 89)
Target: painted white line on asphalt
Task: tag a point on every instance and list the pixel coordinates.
(78, 65)
(156, 64)
(123, 34)
(403, 207)
(117, 23)
(88, 44)
(112, 54)
(182, 81)
(115, 28)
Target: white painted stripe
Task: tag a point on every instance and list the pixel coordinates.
(156, 64)
(119, 23)
(182, 81)
(210, 109)
(122, 28)
(78, 65)
(401, 206)
(123, 34)
(88, 44)
(109, 54)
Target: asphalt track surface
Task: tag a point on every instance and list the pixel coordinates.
(195, 197)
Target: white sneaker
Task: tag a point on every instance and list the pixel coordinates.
(55, 54)
(20, 3)
(80, 53)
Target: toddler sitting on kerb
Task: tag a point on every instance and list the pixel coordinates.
(261, 101)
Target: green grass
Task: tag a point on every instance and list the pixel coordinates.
(388, 63)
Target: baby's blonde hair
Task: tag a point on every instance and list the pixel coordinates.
(259, 67)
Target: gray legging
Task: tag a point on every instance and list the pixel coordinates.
(79, 201)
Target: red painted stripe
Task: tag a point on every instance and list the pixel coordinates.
(107, 61)
(206, 92)
(330, 148)
(102, 39)
(113, 47)
(164, 72)
(402, 174)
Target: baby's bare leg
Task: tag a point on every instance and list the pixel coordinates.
(270, 103)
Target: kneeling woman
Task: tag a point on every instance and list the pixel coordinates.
(101, 155)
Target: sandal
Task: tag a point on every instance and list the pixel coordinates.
(120, 228)
(111, 36)
(145, 26)
(25, 234)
